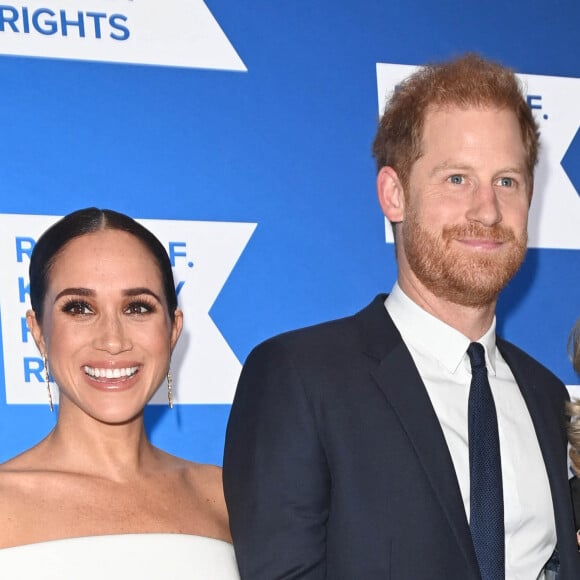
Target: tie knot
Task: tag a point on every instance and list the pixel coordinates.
(476, 354)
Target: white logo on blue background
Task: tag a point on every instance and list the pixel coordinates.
(180, 33)
(555, 212)
(203, 254)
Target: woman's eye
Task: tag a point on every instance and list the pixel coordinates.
(456, 179)
(77, 307)
(139, 308)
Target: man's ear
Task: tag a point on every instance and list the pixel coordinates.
(391, 194)
(36, 331)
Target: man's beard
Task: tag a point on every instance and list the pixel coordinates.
(469, 278)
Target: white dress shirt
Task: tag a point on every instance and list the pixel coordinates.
(440, 354)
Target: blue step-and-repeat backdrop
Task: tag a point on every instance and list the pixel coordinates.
(240, 133)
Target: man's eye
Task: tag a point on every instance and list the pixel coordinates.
(456, 179)
(505, 181)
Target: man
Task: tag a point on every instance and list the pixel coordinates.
(354, 447)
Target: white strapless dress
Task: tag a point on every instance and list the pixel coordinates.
(122, 557)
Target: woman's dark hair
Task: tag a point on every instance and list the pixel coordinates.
(87, 221)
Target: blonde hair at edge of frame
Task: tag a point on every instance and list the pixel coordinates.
(573, 407)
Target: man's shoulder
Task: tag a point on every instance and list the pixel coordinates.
(322, 355)
(338, 329)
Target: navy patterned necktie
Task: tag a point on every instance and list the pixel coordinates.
(486, 497)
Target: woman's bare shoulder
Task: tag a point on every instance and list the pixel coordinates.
(32, 459)
(24, 475)
(21, 499)
(205, 474)
(196, 470)
(201, 475)
(204, 483)
(20, 469)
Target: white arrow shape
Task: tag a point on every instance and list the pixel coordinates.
(555, 212)
(205, 369)
(180, 33)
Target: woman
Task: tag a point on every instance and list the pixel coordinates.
(95, 498)
(574, 428)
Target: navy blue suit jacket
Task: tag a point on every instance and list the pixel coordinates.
(336, 467)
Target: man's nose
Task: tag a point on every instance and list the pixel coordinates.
(485, 207)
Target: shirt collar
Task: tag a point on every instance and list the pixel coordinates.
(429, 334)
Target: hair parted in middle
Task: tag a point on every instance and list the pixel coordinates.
(467, 81)
(87, 221)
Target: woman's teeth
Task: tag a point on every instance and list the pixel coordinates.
(110, 373)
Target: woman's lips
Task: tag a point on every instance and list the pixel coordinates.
(111, 378)
(110, 373)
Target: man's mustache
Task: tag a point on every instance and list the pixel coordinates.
(495, 233)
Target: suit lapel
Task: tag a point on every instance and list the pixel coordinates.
(552, 445)
(398, 379)
(548, 431)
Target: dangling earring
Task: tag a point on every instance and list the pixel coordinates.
(170, 389)
(47, 381)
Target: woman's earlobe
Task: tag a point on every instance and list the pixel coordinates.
(177, 327)
(35, 331)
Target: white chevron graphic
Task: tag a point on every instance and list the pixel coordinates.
(555, 212)
(180, 33)
(204, 367)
